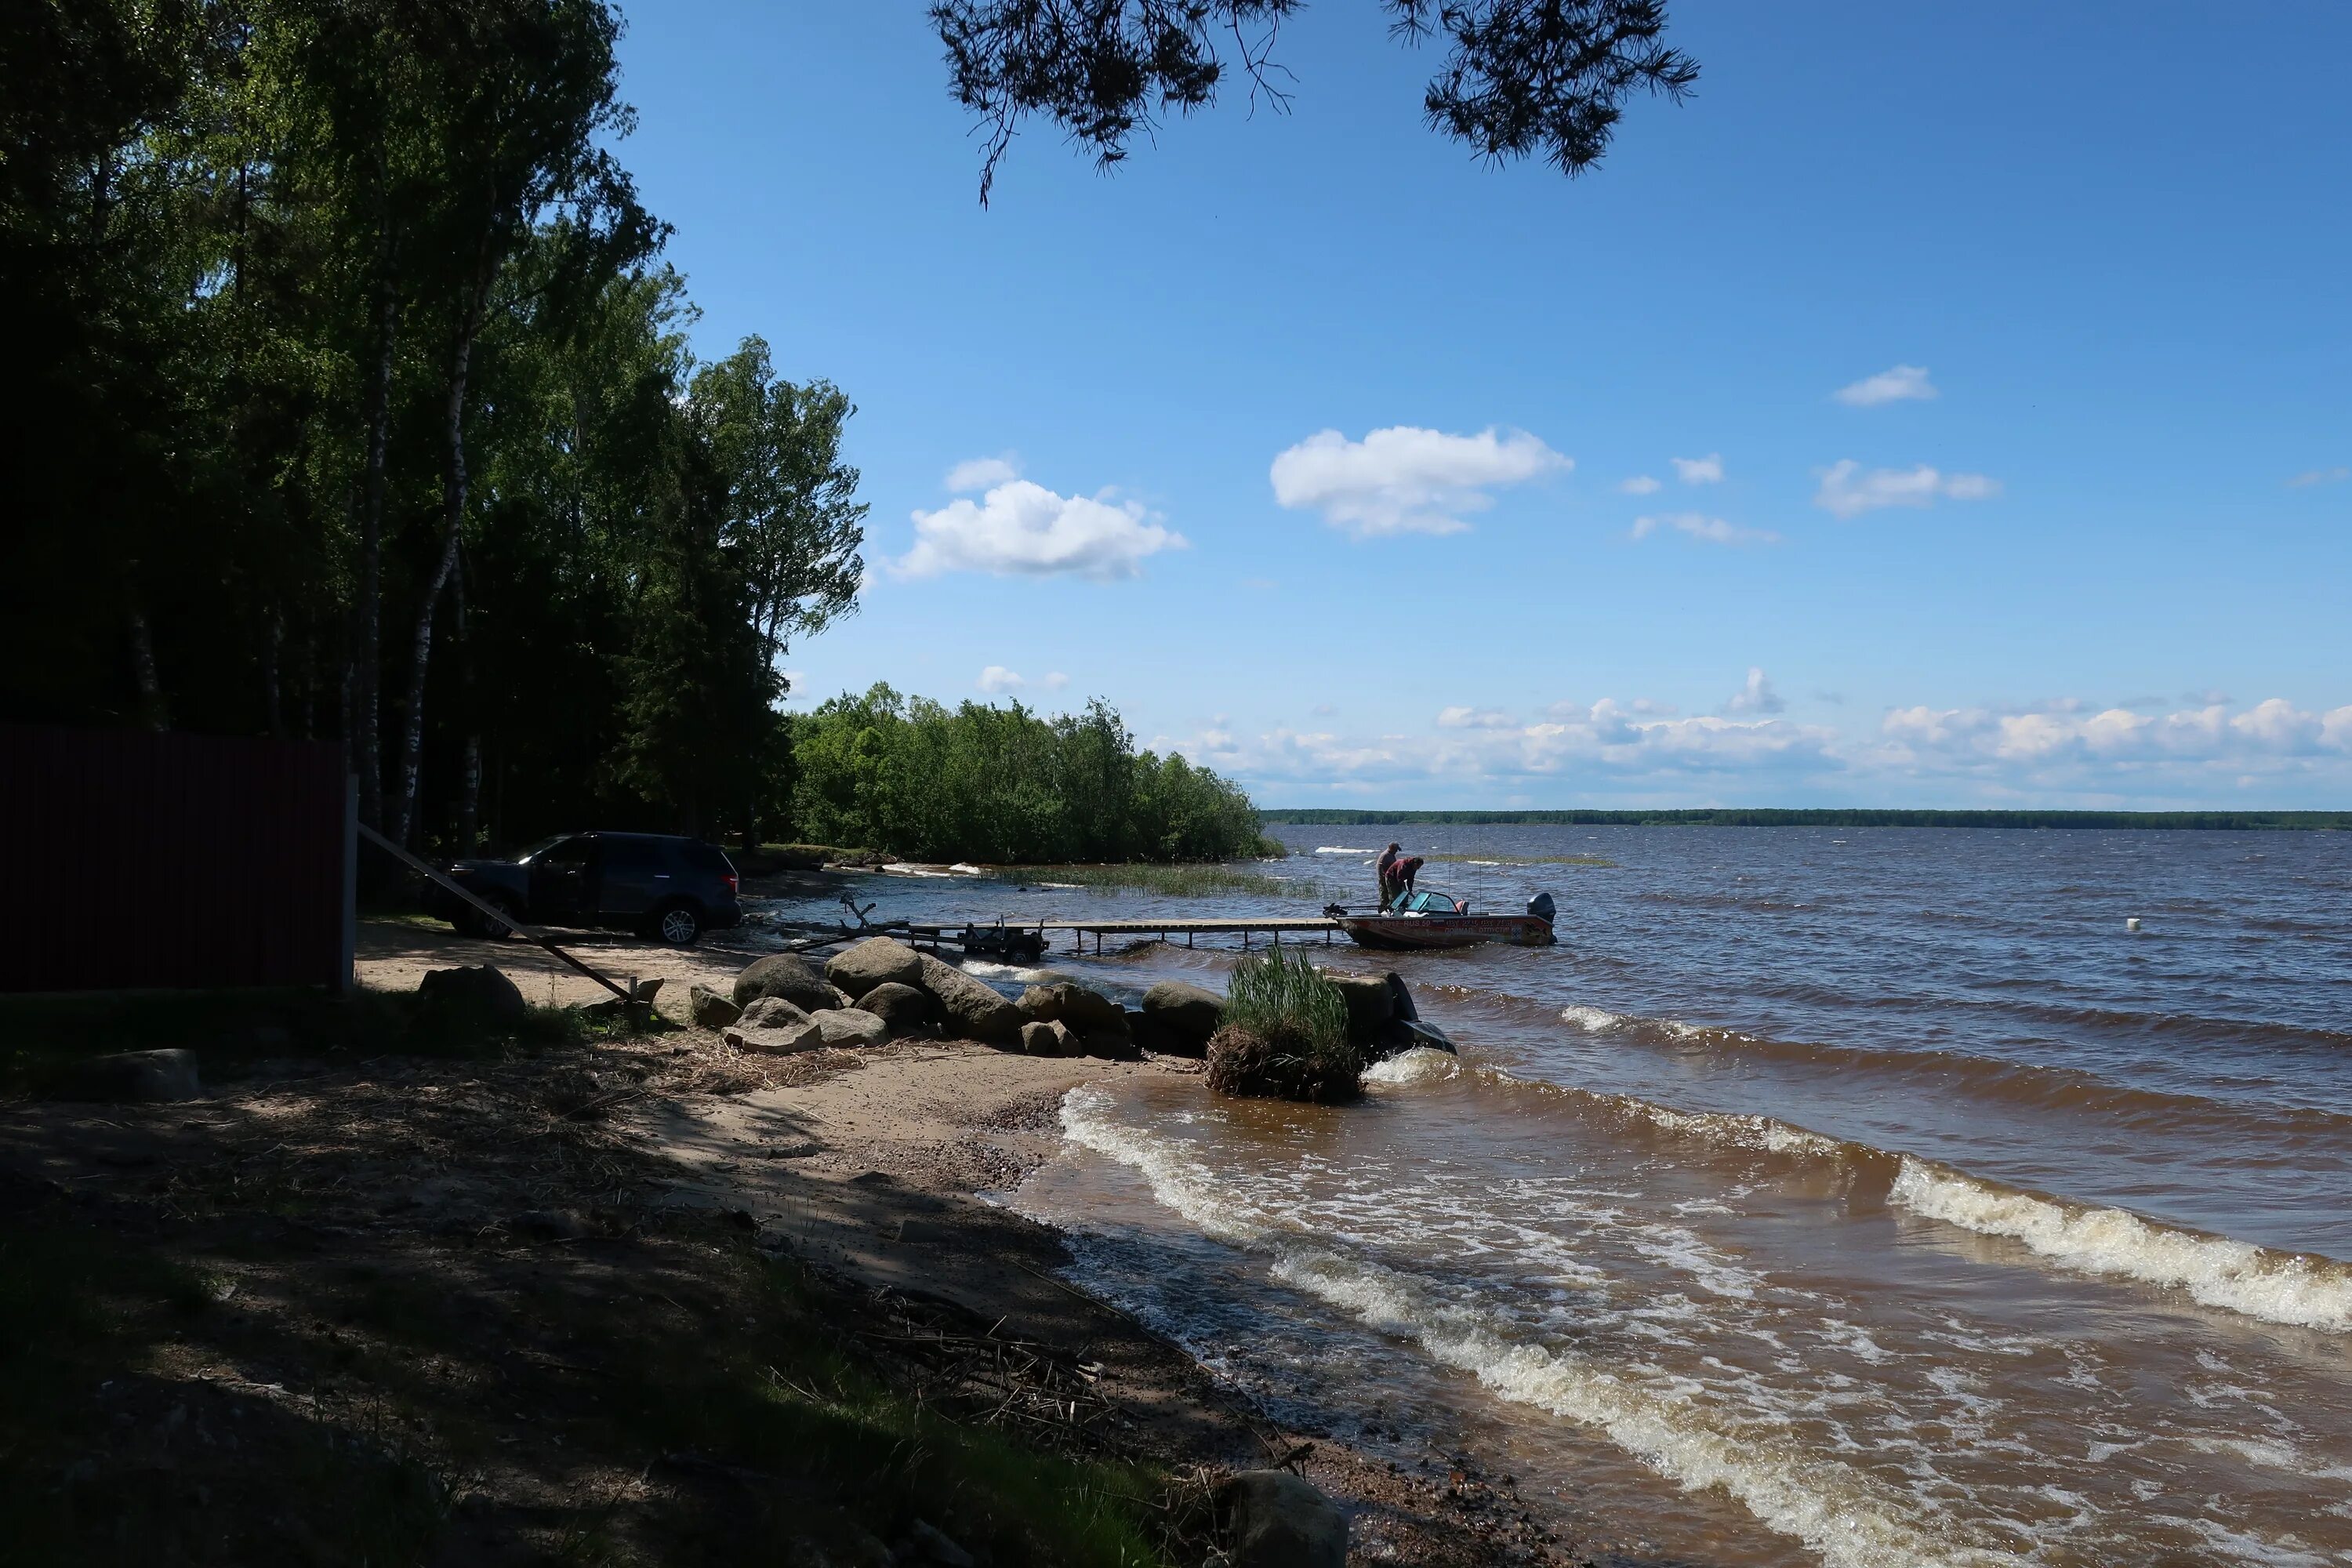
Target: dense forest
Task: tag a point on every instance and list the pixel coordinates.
(1834, 816)
(355, 403)
(1006, 785)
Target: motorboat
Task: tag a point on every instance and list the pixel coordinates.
(1432, 917)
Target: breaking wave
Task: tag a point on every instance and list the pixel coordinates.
(1850, 1518)
(2304, 1290)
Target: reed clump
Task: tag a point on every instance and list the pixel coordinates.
(1284, 1035)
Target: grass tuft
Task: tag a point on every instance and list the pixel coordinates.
(1284, 1034)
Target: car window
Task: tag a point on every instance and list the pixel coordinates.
(571, 852)
(630, 857)
(541, 848)
(703, 857)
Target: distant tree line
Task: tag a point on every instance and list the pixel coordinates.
(1837, 816)
(1006, 785)
(354, 403)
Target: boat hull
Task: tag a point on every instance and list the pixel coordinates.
(1401, 933)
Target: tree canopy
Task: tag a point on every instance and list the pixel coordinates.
(358, 404)
(1521, 78)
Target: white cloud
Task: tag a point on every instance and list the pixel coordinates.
(1714, 529)
(1640, 485)
(1848, 492)
(1403, 479)
(996, 680)
(1902, 384)
(2335, 476)
(1021, 528)
(1755, 697)
(975, 474)
(2056, 753)
(1706, 470)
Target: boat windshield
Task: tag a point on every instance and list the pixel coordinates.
(1429, 901)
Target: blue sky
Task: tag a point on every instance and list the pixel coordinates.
(1317, 448)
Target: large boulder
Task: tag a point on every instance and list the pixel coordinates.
(1051, 1039)
(1276, 1519)
(773, 1012)
(781, 1039)
(907, 1010)
(138, 1077)
(1072, 1004)
(478, 991)
(709, 1009)
(849, 1026)
(876, 961)
(1110, 1038)
(974, 1011)
(785, 975)
(1371, 1004)
(1183, 1012)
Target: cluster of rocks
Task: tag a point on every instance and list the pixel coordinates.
(881, 989)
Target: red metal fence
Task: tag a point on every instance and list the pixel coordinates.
(139, 860)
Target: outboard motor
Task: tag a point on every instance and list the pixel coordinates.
(1542, 908)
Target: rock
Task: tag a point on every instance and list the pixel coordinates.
(481, 990)
(145, 1077)
(1151, 1036)
(773, 1012)
(907, 1010)
(841, 998)
(1071, 1002)
(1110, 1038)
(1371, 1004)
(1185, 1012)
(709, 1009)
(785, 975)
(780, 1041)
(849, 1026)
(876, 961)
(975, 1012)
(1051, 1039)
(1276, 1519)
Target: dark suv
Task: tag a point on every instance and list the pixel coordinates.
(672, 889)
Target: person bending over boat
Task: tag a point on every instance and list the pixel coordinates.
(1401, 874)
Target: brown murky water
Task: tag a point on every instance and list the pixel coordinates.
(1853, 1198)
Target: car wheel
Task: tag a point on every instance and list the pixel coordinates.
(476, 924)
(677, 925)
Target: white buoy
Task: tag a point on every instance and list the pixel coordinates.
(2131, 922)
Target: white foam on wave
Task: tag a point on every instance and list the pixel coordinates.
(1849, 1520)
(1591, 1020)
(2297, 1289)
(1420, 1064)
(1343, 849)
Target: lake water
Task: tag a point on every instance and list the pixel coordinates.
(1840, 1197)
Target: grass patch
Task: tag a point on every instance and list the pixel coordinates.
(1171, 882)
(1284, 1034)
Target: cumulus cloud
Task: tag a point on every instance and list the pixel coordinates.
(2310, 477)
(2059, 753)
(1640, 485)
(1848, 491)
(1698, 525)
(2272, 729)
(1903, 383)
(1706, 470)
(1022, 529)
(1403, 479)
(976, 474)
(1755, 697)
(996, 680)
